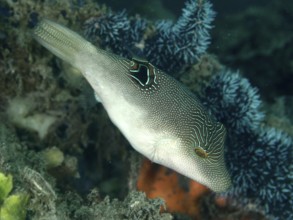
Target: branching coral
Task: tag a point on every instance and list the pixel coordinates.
(35, 190)
(135, 206)
(176, 45)
(39, 197)
(116, 32)
(259, 157)
(171, 46)
(233, 101)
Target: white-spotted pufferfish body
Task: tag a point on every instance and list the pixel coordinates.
(159, 116)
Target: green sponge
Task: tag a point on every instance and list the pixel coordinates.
(5, 186)
(14, 206)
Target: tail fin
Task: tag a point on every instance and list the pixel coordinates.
(61, 41)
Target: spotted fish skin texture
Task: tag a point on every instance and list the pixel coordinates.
(159, 116)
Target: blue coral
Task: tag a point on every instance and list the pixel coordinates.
(177, 45)
(274, 161)
(115, 31)
(261, 169)
(259, 158)
(233, 101)
(171, 47)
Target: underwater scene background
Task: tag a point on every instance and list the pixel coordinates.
(62, 158)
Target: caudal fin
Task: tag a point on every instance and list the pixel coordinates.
(61, 41)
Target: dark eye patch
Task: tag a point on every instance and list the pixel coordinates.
(142, 73)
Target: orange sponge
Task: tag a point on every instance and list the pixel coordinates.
(158, 181)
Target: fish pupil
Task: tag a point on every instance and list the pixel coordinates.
(141, 74)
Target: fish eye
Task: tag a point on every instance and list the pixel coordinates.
(142, 73)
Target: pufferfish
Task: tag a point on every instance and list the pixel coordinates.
(158, 115)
